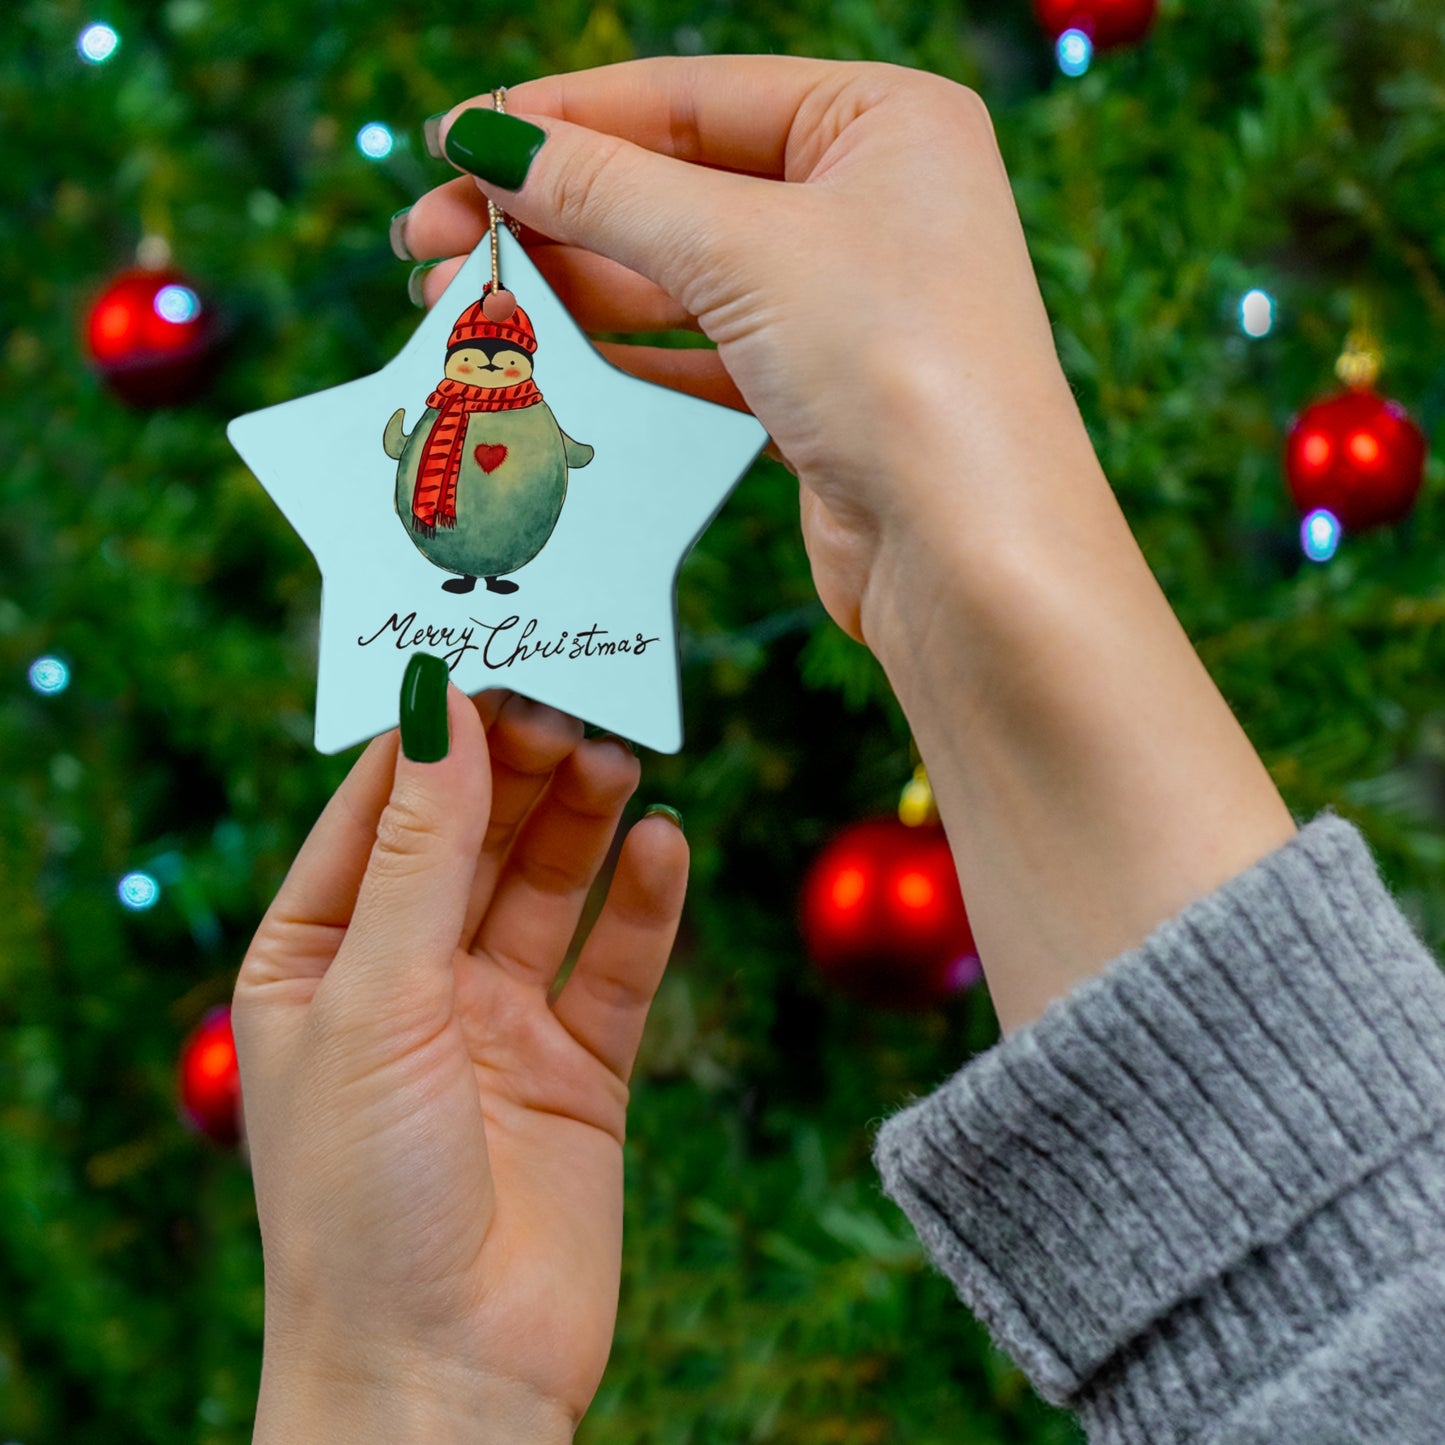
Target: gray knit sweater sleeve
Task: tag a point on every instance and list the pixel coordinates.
(1202, 1199)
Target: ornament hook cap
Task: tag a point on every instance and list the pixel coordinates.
(1360, 362)
(916, 805)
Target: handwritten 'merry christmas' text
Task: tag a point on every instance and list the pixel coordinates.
(503, 644)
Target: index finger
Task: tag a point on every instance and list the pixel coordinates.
(734, 112)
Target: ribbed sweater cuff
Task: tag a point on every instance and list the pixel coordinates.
(1173, 1120)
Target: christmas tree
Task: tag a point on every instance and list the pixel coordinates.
(1212, 213)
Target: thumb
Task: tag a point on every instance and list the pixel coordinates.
(395, 963)
(666, 219)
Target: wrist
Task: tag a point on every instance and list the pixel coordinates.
(407, 1401)
(1092, 779)
(982, 524)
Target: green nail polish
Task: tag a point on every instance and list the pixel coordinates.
(671, 814)
(498, 148)
(413, 283)
(606, 737)
(431, 133)
(425, 737)
(397, 235)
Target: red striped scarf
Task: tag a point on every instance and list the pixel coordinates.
(434, 498)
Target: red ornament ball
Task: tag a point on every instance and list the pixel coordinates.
(883, 916)
(1357, 455)
(210, 1081)
(1107, 23)
(151, 337)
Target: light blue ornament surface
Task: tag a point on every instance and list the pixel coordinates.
(664, 464)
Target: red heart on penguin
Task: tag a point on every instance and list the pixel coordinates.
(489, 457)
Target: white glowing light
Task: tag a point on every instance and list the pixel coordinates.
(1256, 313)
(49, 675)
(178, 304)
(375, 140)
(97, 43)
(1075, 52)
(138, 891)
(1320, 535)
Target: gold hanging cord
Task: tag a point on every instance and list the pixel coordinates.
(495, 213)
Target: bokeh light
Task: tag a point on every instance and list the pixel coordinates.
(1315, 451)
(914, 889)
(849, 887)
(375, 141)
(965, 970)
(49, 675)
(177, 303)
(1364, 448)
(1256, 313)
(1075, 52)
(1320, 535)
(97, 43)
(138, 891)
(215, 1058)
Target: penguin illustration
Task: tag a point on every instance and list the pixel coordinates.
(481, 478)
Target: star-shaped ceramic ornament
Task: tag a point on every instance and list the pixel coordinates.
(503, 497)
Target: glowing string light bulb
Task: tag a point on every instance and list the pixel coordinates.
(97, 43)
(138, 891)
(1074, 51)
(1256, 313)
(375, 141)
(49, 675)
(177, 304)
(1320, 535)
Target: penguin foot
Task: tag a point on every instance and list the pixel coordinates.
(460, 584)
(500, 584)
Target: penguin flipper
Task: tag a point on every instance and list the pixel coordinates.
(394, 438)
(578, 453)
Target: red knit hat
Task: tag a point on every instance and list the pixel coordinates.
(473, 326)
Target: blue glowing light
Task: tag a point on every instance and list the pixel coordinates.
(97, 43)
(1075, 52)
(1320, 535)
(375, 140)
(1256, 313)
(138, 891)
(178, 304)
(49, 675)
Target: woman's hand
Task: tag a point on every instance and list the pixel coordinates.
(437, 1149)
(880, 316)
(847, 234)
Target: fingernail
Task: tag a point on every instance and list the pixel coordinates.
(413, 283)
(424, 734)
(397, 234)
(498, 148)
(606, 737)
(671, 814)
(431, 133)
